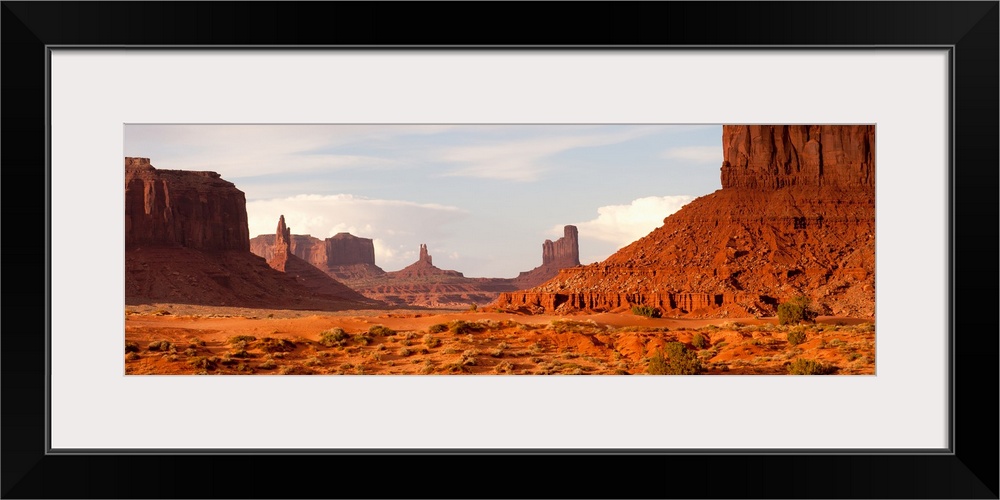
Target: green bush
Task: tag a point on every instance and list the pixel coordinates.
(794, 311)
(676, 359)
(161, 345)
(647, 311)
(459, 327)
(699, 341)
(438, 328)
(381, 331)
(332, 336)
(796, 337)
(809, 367)
(268, 344)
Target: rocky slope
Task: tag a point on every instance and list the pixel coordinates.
(795, 216)
(187, 241)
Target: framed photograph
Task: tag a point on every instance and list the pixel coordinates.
(911, 88)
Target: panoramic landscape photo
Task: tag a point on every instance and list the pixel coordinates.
(499, 249)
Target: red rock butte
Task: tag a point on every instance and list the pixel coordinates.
(187, 241)
(352, 260)
(795, 216)
(342, 256)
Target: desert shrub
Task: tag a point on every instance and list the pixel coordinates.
(469, 357)
(647, 311)
(796, 310)
(431, 340)
(132, 356)
(295, 370)
(381, 331)
(363, 338)
(239, 353)
(332, 337)
(852, 356)
(796, 336)
(473, 307)
(497, 353)
(268, 344)
(438, 328)
(241, 338)
(676, 359)
(809, 367)
(202, 362)
(131, 347)
(268, 365)
(313, 361)
(699, 341)
(161, 345)
(405, 351)
(459, 327)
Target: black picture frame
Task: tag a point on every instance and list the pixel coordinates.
(970, 29)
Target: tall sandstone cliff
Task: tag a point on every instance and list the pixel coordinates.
(187, 241)
(191, 209)
(795, 216)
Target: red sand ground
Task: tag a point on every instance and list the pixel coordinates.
(215, 340)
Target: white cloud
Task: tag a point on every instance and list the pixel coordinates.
(396, 227)
(623, 224)
(522, 160)
(700, 154)
(239, 151)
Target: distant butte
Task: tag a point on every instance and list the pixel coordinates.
(342, 256)
(795, 216)
(351, 260)
(187, 241)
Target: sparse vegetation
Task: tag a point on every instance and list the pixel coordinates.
(161, 345)
(647, 311)
(268, 344)
(363, 339)
(241, 338)
(332, 337)
(810, 367)
(675, 359)
(381, 331)
(438, 328)
(699, 341)
(796, 336)
(431, 341)
(131, 347)
(796, 310)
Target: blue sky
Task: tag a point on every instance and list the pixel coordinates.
(482, 197)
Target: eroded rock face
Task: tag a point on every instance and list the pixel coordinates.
(196, 210)
(187, 242)
(556, 255)
(770, 156)
(304, 246)
(796, 216)
(345, 249)
(342, 256)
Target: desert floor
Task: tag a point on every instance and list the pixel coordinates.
(183, 339)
